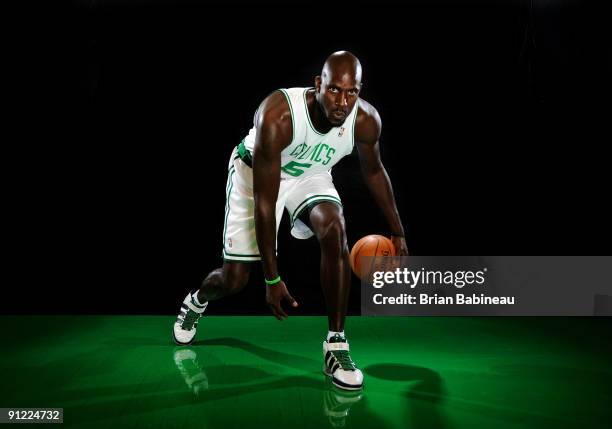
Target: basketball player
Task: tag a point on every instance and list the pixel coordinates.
(284, 162)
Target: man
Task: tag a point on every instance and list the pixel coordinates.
(299, 134)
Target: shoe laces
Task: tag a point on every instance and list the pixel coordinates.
(344, 360)
(189, 320)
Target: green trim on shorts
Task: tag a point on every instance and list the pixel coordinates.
(241, 261)
(244, 154)
(241, 255)
(308, 202)
(240, 258)
(228, 191)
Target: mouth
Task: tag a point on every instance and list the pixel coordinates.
(338, 114)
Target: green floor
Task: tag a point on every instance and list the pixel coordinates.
(247, 372)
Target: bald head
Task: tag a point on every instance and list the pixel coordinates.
(342, 65)
(338, 87)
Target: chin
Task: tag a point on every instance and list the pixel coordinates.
(335, 122)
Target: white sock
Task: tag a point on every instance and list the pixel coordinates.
(332, 333)
(197, 302)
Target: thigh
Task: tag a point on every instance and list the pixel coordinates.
(323, 215)
(310, 192)
(236, 274)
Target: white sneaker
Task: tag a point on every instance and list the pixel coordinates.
(187, 321)
(339, 365)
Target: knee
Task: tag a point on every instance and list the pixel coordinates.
(332, 235)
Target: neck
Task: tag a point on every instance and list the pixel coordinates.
(319, 121)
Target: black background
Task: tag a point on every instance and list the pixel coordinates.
(492, 135)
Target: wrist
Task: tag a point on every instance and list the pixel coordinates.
(272, 281)
(270, 269)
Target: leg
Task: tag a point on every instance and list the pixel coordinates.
(232, 276)
(229, 279)
(327, 223)
(226, 280)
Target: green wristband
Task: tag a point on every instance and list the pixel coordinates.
(272, 282)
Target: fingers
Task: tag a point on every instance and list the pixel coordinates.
(275, 298)
(281, 312)
(274, 311)
(291, 301)
(277, 311)
(400, 246)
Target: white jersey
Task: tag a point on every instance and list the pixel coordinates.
(310, 152)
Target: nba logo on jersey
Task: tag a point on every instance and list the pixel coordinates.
(341, 132)
(229, 242)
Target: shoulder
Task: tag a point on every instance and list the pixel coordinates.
(274, 116)
(275, 108)
(368, 124)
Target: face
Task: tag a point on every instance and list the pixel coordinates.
(337, 93)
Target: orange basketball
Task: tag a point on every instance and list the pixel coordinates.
(370, 245)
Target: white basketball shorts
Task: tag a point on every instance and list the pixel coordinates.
(239, 240)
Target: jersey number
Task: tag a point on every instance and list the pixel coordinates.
(295, 168)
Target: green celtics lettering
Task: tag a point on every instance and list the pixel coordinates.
(319, 153)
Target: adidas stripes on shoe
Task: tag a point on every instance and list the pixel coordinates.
(339, 365)
(187, 321)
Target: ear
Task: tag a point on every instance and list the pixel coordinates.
(318, 84)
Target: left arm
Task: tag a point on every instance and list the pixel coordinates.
(367, 133)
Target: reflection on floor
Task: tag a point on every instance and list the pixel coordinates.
(256, 372)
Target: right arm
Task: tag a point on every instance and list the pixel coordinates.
(274, 133)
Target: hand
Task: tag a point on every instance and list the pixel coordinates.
(274, 295)
(400, 245)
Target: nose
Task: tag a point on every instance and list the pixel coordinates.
(342, 99)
